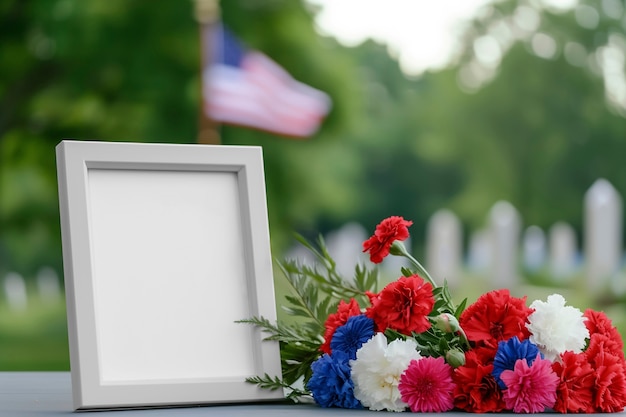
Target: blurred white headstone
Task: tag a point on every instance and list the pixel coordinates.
(534, 248)
(505, 224)
(301, 255)
(15, 291)
(603, 234)
(345, 246)
(444, 247)
(562, 251)
(479, 252)
(48, 285)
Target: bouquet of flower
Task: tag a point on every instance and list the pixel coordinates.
(408, 346)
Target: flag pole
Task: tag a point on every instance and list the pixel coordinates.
(207, 13)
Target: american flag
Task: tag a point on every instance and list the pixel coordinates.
(245, 87)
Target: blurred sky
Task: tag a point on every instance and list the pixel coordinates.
(422, 34)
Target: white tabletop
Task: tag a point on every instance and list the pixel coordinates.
(40, 394)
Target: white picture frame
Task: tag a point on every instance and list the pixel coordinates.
(164, 248)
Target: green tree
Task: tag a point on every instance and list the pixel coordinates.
(535, 127)
(130, 72)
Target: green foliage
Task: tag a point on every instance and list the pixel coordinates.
(276, 383)
(315, 294)
(299, 347)
(35, 339)
(538, 132)
(443, 300)
(326, 278)
(433, 342)
(117, 71)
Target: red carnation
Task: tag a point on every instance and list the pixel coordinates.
(344, 312)
(476, 389)
(601, 343)
(485, 355)
(610, 381)
(389, 230)
(495, 317)
(403, 305)
(576, 379)
(599, 324)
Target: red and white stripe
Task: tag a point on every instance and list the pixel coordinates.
(262, 95)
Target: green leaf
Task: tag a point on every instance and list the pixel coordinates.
(406, 272)
(460, 308)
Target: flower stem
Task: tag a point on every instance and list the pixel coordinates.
(398, 249)
(464, 339)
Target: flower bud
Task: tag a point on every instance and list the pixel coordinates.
(455, 358)
(447, 322)
(397, 248)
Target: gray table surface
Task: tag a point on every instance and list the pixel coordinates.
(39, 394)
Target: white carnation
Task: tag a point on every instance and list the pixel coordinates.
(556, 328)
(377, 369)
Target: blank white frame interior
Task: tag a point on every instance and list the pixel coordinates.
(164, 248)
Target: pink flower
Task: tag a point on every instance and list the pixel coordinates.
(530, 389)
(427, 386)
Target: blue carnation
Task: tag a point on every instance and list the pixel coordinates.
(350, 337)
(331, 384)
(509, 352)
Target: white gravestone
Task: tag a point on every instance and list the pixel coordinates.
(603, 234)
(534, 248)
(15, 291)
(505, 224)
(48, 285)
(345, 246)
(479, 252)
(301, 255)
(444, 247)
(562, 251)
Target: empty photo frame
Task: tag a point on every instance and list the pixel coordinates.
(164, 248)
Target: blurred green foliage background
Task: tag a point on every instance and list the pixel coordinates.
(532, 110)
